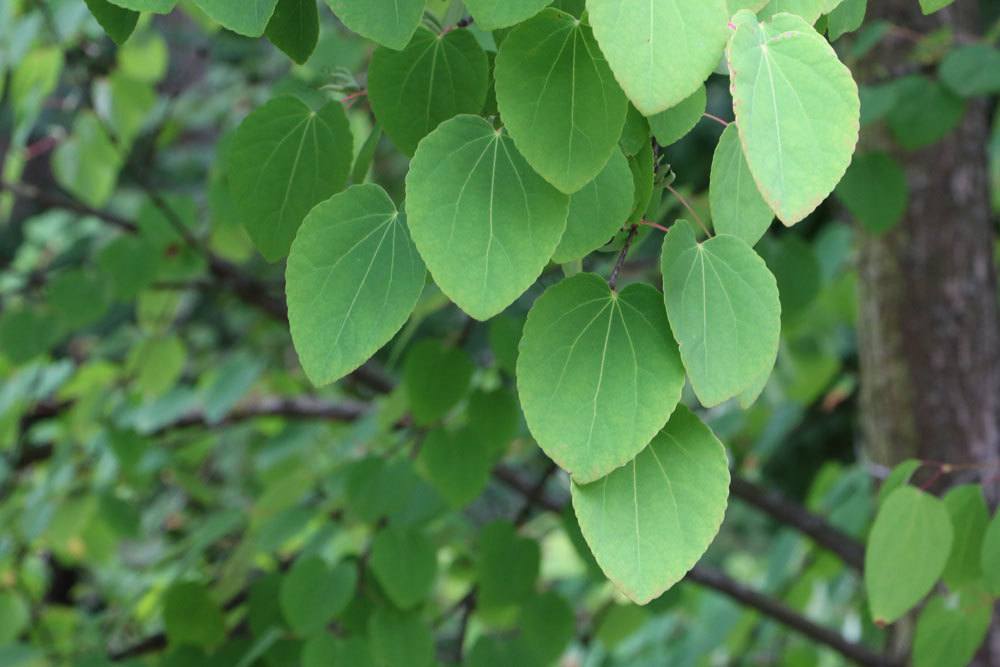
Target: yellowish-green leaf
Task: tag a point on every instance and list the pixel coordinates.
(649, 522)
(598, 373)
(485, 223)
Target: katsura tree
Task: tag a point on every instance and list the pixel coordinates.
(504, 332)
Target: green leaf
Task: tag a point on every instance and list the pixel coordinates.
(14, 616)
(399, 638)
(598, 373)
(724, 310)
(951, 629)
(990, 555)
(388, 22)
(436, 378)
(738, 209)
(972, 70)
(847, 17)
(87, 163)
(131, 264)
(875, 191)
(458, 466)
(246, 17)
(25, 333)
(116, 21)
(635, 134)
(433, 79)
(283, 160)
(597, 211)
(558, 99)
(907, 550)
(649, 522)
(925, 112)
(294, 28)
(78, 297)
(931, 6)
(672, 125)
(797, 110)
(155, 6)
(548, 625)
(192, 617)
(808, 10)
(352, 280)
(970, 518)
(405, 564)
(313, 593)
(661, 51)
(484, 222)
(506, 566)
(494, 14)
(899, 476)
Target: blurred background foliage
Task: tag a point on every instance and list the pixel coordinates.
(173, 491)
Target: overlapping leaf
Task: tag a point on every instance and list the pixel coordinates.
(797, 110)
(660, 51)
(724, 309)
(558, 99)
(352, 280)
(246, 17)
(598, 373)
(433, 79)
(284, 159)
(387, 22)
(494, 14)
(907, 550)
(597, 211)
(649, 522)
(737, 206)
(485, 223)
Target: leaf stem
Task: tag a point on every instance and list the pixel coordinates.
(690, 209)
(721, 121)
(616, 272)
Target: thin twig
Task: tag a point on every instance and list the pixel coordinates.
(712, 116)
(690, 209)
(622, 256)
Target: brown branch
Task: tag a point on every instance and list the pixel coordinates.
(775, 610)
(622, 256)
(721, 583)
(784, 511)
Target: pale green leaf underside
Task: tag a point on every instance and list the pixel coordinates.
(352, 280)
(724, 309)
(797, 110)
(598, 373)
(246, 17)
(485, 223)
(558, 99)
(284, 159)
(660, 50)
(387, 22)
(649, 522)
(907, 550)
(494, 14)
(737, 206)
(597, 211)
(433, 79)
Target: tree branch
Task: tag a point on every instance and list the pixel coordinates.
(719, 582)
(789, 513)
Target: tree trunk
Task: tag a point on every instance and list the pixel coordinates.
(929, 334)
(929, 329)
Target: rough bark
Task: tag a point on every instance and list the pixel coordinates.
(928, 329)
(929, 334)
